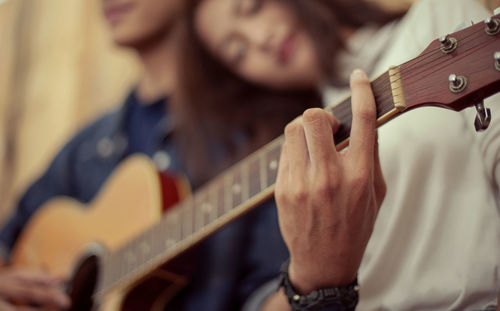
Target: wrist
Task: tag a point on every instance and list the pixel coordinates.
(320, 298)
(319, 276)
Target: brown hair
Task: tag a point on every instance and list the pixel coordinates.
(323, 18)
(223, 117)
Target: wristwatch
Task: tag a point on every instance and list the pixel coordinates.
(341, 298)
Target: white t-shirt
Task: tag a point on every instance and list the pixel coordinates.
(436, 242)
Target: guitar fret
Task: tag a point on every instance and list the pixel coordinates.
(157, 241)
(123, 266)
(228, 194)
(272, 160)
(145, 246)
(254, 179)
(168, 230)
(174, 227)
(236, 187)
(263, 170)
(187, 218)
(221, 199)
(139, 246)
(200, 207)
(213, 199)
(245, 183)
(109, 270)
(197, 202)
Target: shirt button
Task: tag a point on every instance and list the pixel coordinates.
(105, 147)
(162, 160)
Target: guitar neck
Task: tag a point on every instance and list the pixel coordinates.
(227, 197)
(386, 106)
(453, 73)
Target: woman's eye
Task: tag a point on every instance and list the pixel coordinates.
(249, 7)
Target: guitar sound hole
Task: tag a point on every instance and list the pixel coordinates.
(82, 285)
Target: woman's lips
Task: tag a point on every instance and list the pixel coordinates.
(114, 13)
(287, 48)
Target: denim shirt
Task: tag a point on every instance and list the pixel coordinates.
(80, 168)
(231, 264)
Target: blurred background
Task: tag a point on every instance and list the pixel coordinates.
(58, 71)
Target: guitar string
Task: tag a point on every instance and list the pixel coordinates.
(413, 80)
(385, 86)
(426, 56)
(446, 61)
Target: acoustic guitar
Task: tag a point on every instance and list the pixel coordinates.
(128, 256)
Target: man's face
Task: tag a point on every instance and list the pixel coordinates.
(134, 22)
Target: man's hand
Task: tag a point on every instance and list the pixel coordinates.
(27, 290)
(328, 200)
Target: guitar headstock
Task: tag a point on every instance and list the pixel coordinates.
(456, 71)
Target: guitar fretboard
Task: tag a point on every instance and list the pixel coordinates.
(231, 194)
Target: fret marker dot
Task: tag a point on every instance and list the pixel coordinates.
(169, 243)
(273, 165)
(174, 217)
(145, 248)
(130, 257)
(206, 207)
(236, 188)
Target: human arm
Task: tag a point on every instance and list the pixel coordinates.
(328, 200)
(77, 171)
(21, 288)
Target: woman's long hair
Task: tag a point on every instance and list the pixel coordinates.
(223, 117)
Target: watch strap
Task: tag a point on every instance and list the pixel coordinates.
(340, 298)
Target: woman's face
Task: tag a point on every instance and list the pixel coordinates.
(261, 40)
(134, 22)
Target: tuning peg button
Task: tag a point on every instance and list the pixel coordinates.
(457, 83)
(448, 44)
(492, 26)
(496, 56)
(483, 117)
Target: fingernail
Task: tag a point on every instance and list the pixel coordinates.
(358, 74)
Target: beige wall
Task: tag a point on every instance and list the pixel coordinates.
(58, 70)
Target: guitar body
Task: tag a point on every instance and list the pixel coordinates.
(63, 233)
(66, 240)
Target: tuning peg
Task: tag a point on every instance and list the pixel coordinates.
(457, 83)
(483, 117)
(497, 11)
(496, 56)
(464, 25)
(448, 44)
(492, 26)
